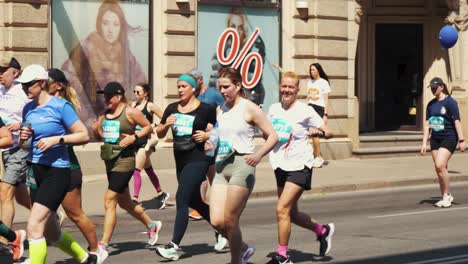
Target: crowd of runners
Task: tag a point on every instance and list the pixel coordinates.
(213, 131)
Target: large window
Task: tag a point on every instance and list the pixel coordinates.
(97, 42)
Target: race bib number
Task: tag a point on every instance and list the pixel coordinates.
(183, 125)
(111, 131)
(282, 128)
(436, 123)
(224, 151)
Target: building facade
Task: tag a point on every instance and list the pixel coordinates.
(379, 54)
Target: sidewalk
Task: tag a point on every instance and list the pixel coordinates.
(337, 176)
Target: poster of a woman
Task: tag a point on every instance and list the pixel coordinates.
(105, 54)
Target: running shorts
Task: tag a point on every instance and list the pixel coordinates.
(15, 168)
(51, 185)
(447, 143)
(319, 109)
(302, 178)
(234, 171)
(76, 179)
(118, 181)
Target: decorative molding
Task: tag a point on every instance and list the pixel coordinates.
(33, 2)
(180, 12)
(24, 49)
(180, 32)
(331, 77)
(320, 37)
(458, 14)
(22, 24)
(314, 57)
(180, 53)
(321, 17)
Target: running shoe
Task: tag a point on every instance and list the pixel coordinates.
(162, 200)
(101, 253)
(26, 261)
(151, 144)
(168, 252)
(17, 246)
(247, 253)
(153, 233)
(446, 201)
(278, 259)
(61, 215)
(318, 162)
(326, 239)
(195, 215)
(221, 242)
(92, 259)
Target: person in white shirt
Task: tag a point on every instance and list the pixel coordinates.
(295, 122)
(12, 101)
(318, 89)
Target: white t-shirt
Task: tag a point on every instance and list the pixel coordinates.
(316, 90)
(12, 103)
(293, 150)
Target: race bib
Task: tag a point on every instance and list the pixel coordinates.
(30, 180)
(111, 131)
(282, 128)
(436, 123)
(224, 151)
(138, 128)
(183, 125)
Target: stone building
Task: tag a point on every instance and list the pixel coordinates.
(380, 55)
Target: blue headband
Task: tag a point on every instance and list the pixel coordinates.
(188, 79)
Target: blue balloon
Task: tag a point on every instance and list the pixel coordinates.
(448, 36)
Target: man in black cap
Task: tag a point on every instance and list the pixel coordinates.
(12, 101)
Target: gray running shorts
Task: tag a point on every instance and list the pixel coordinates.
(15, 167)
(234, 171)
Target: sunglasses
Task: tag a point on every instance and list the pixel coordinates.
(136, 92)
(28, 85)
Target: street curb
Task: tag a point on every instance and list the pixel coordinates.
(363, 186)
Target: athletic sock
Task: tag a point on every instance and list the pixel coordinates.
(136, 182)
(37, 251)
(70, 246)
(319, 229)
(151, 225)
(7, 233)
(154, 178)
(282, 250)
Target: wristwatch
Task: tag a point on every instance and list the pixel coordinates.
(136, 136)
(461, 141)
(61, 140)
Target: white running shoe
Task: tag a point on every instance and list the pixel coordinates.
(446, 201)
(168, 252)
(221, 242)
(248, 253)
(153, 233)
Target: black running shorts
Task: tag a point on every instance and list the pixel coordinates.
(447, 143)
(303, 177)
(51, 185)
(118, 181)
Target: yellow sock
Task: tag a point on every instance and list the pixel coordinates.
(37, 251)
(69, 245)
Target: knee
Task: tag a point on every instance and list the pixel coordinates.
(440, 167)
(74, 215)
(283, 212)
(217, 223)
(230, 224)
(6, 194)
(110, 203)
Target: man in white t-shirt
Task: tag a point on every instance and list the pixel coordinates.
(12, 101)
(318, 89)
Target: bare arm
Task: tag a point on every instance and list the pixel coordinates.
(6, 140)
(155, 109)
(461, 139)
(78, 134)
(325, 108)
(97, 128)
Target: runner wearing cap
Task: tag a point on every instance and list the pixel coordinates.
(60, 88)
(117, 129)
(146, 146)
(12, 102)
(53, 124)
(443, 123)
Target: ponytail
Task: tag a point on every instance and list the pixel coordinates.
(71, 96)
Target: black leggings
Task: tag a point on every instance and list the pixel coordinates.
(188, 195)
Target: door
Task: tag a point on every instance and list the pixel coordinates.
(398, 76)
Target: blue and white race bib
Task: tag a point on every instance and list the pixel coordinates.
(224, 151)
(111, 131)
(183, 125)
(282, 128)
(436, 123)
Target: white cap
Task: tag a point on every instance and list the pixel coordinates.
(33, 72)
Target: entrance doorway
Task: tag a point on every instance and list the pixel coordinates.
(398, 76)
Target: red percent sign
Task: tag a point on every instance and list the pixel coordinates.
(242, 58)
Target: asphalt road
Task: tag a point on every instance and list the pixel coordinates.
(382, 226)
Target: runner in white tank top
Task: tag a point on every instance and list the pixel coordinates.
(236, 161)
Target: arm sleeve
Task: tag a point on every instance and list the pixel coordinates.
(454, 111)
(211, 115)
(69, 116)
(326, 87)
(427, 111)
(167, 113)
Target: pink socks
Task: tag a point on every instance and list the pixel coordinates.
(153, 178)
(282, 250)
(319, 229)
(136, 183)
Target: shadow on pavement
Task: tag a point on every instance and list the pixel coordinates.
(300, 256)
(117, 248)
(154, 203)
(452, 255)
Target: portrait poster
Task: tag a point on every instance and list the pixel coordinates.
(213, 20)
(95, 42)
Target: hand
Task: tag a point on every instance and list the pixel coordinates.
(25, 133)
(45, 143)
(208, 145)
(95, 125)
(170, 120)
(127, 140)
(461, 145)
(325, 119)
(252, 159)
(199, 136)
(316, 133)
(13, 126)
(423, 149)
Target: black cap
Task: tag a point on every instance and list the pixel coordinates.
(57, 75)
(112, 88)
(13, 63)
(435, 82)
